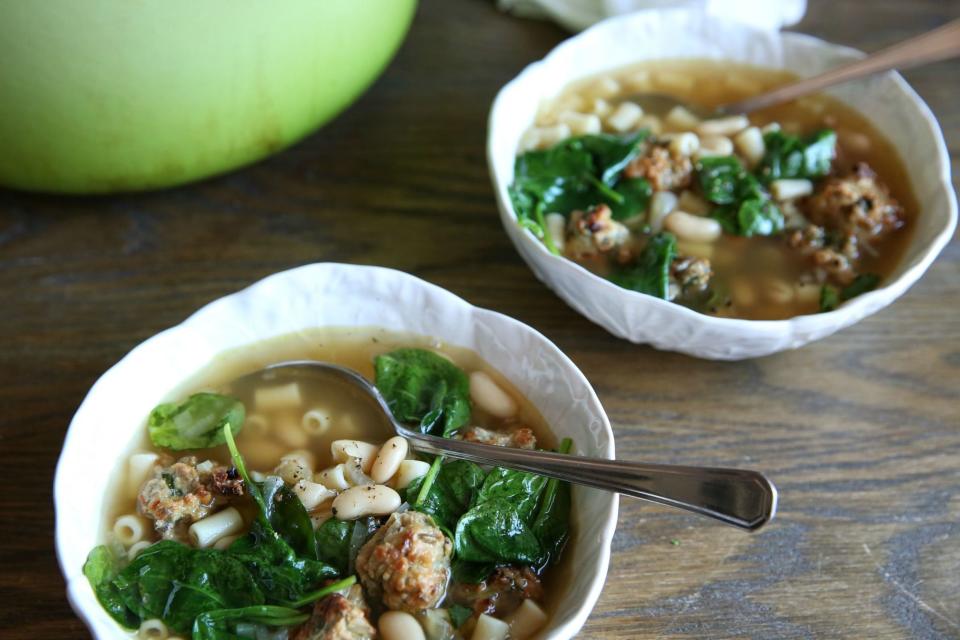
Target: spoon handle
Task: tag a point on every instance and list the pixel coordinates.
(939, 44)
(741, 498)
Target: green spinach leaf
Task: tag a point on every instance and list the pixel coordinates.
(790, 157)
(459, 614)
(753, 217)
(337, 541)
(101, 569)
(635, 194)
(288, 518)
(520, 488)
(422, 387)
(831, 297)
(451, 493)
(495, 532)
(650, 274)
(552, 522)
(223, 624)
(196, 423)
(176, 584)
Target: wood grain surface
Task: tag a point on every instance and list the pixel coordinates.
(860, 431)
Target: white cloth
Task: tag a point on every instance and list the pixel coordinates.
(577, 15)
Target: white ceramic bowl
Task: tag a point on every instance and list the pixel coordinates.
(331, 295)
(886, 100)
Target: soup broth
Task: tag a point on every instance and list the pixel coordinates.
(272, 432)
(757, 277)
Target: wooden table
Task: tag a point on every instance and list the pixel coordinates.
(861, 431)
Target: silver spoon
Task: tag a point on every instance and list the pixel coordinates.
(744, 499)
(940, 44)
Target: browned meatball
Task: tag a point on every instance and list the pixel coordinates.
(856, 202)
(664, 170)
(336, 617)
(501, 593)
(594, 232)
(184, 492)
(521, 438)
(406, 563)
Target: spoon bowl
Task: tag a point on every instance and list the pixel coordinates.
(741, 498)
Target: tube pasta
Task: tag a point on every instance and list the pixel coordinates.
(489, 628)
(226, 541)
(526, 621)
(136, 548)
(257, 424)
(153, 629)
(129, 529)
(207, 531)
(139, 468)
(333, 478)
(316, 421)
(278, 398)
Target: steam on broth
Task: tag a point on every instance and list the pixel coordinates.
(791, 211)
(300, 493)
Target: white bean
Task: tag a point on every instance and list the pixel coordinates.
(370, 500)
(681, 119)
(723, 126)
(526, 620)
(409, 471)
(304, 456)
(661, 204)
(687, 226)
(750, 144)
(489, 628)
(343, 450)
(285, 396)
(490, 397)
(333, 478)
(625, 117)
(312, 494)
(557, 228)
(129, 529)
(770, 128)
(580, 123)
(684, 144)
(790, 189)
(388, 459)
(715, 146)
(316, 421)
(204, 533)
(689, 201)
(398, 625)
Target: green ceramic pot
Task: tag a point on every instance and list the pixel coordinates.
(119, 95)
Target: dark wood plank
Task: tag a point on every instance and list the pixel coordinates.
(859, 430)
